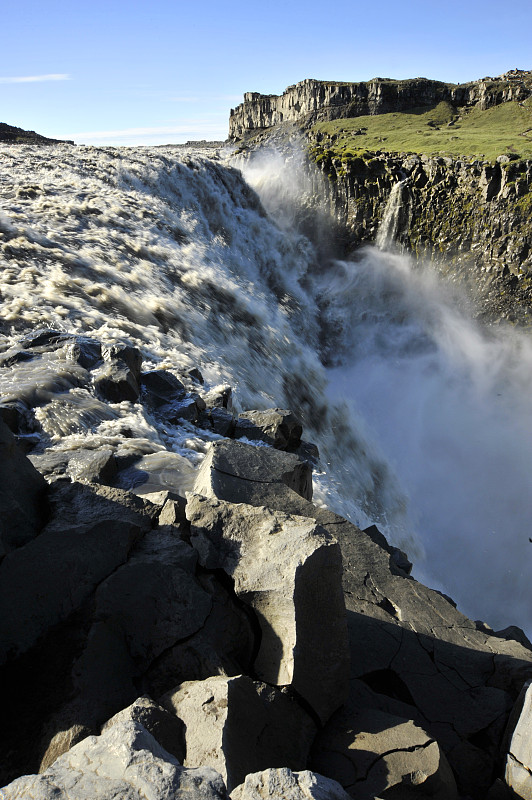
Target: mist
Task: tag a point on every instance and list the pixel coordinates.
(446, 402)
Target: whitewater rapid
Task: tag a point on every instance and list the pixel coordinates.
(423, 420)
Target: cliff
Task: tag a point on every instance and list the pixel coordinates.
(311, 101)
(463, 155)
(470, 216)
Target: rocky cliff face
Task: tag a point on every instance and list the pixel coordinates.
(471, 216)
(313, 101)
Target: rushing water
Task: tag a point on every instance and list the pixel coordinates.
(423, 419)
(449, 405)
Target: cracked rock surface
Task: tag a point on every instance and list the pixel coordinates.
(372, 752)
(243, 473)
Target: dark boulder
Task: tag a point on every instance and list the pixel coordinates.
(275, 427)
(22, 495)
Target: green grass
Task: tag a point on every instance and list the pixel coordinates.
(506, 128)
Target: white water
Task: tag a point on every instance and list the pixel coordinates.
(172, 252)
(449, 405)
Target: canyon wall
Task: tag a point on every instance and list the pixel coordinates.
(470, 215)
(311, 101)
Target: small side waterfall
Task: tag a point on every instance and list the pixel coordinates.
(396, 217)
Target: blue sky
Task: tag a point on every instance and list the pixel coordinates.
(157, 72)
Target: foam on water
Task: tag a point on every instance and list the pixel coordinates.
(423, 419)
(172, 252)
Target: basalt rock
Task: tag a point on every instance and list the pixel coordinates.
(375, 754)
(283, 784)
(239, 726)
(242, 473)
(313, 101)
(288, 570)
(125, 761)
(90, 533)
(22, 495)
(275, 427)
(162, 387)
(518, 773)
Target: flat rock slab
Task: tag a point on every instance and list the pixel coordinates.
(243, 473)
(276, 427)
(283, 784)
(373, 752)
(125, 762)
(238, 726)
(288, 570)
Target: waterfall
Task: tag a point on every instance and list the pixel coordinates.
(446, 403)
(396, 216)
(423, 419)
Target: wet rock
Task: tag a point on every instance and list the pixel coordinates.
(283, 784)
(84, 351)
(196, 375)
(130, 356)
(115, 382)
(218, 420)
(238, 726)
(373, 752)
(125, 761)
(16, 356)
(518, 745)
(219, 397)
(90, 533)
(45, 339)
(243, 473)
(188, 410)
(161, 388)
(276, 427)
(288, 570)
(307, 451)
(22, 495)
(15, 415)
(52, 464)
(157, 472)
(92, 466)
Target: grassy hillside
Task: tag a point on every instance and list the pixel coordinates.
(443, 130)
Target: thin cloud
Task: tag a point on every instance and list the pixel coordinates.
(192, 130)
(36, 78)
